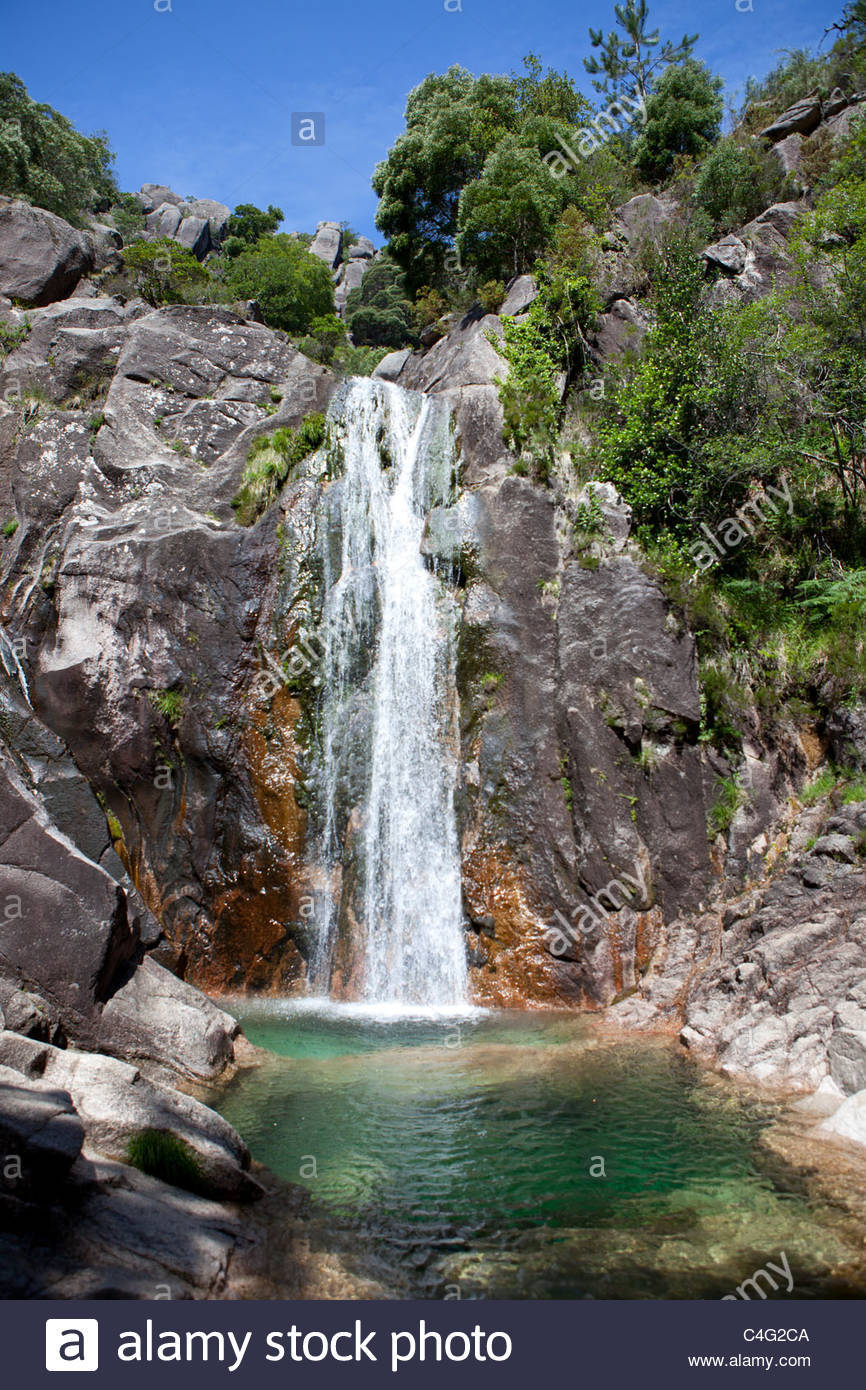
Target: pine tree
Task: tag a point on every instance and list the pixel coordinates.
(627, 63)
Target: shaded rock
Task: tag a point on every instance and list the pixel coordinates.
(42, 258)
(216, 214)
(72, 936)
(71, 346)
(619, 331)
(846, 1054)
(520, 293)
(804, 117)
(194, 234)
(39, 1126)
(362, 249)
(789, 153)
(782, 216)
(846, 729)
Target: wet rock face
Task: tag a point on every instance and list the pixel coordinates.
(142, 610)
(580, 721)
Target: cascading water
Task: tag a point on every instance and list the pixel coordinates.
(388, 760)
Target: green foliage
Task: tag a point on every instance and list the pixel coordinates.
(507, 215)
(292, 287)
(9, 527)
(166, 1156)
(454, 125)
(626, 63)
(169, 703)
(44, 159)
(730, 796)
(549, 343)
(12, 336)
(325, 336)
(128, 217)
(684, 116)
(248, 224)
(819, 787)
(164, 272)
(736, 181)
(269, 463)
(379, 312)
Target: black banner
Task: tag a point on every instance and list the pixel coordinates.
(482, 1344)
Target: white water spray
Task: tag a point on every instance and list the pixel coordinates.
(389, 715)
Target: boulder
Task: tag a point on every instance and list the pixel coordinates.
(117, 1104)
(729, 254)
(849, 1121)
(66, 928)
(619, 331)
(194, 234)
(327, 244)
(217, 215)
(390, 367)
(158, 1017)
(520, 293)
(164, 220)
(39, 1125)
(642, 219)
(464, 357)
(803, 117)
(362, 249)
(846, 729)
(42, 258)
(156, 194)
(105, 243)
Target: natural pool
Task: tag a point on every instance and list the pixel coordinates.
(519, 1155)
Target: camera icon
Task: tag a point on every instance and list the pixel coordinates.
(71, 1344)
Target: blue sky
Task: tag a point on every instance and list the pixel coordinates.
(200, 96)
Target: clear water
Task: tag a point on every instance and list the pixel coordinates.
(390, 926)
(520, 1155)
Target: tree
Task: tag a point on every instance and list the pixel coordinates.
(626, 63)
(507, 215)
(247, 224)
(379, 313)
(165, 272)
(453, 122)
(45, 159)
(549, 93)
(684, 116)
(292, 287)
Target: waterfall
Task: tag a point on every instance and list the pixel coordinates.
(388, 720)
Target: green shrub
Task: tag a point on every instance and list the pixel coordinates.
(166, 1156)
(128, 217)
(819, 787)
(730, 796)
(325, 337)
(736, 182)
(379, 312)
(292, 287)
(10, 527)
(168, 702)
(269, 463)
(248, 223)
(164, 272)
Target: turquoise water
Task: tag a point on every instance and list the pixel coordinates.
(520, 1155)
